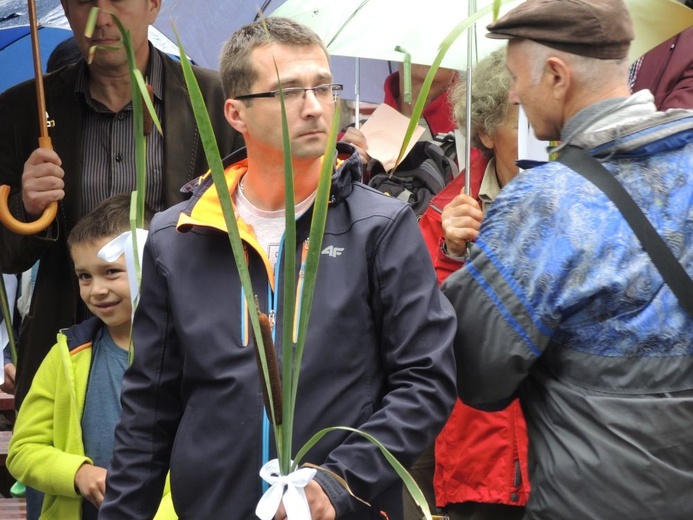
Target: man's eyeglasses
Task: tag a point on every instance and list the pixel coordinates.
(328, 93)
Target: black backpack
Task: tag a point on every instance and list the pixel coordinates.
(424, 172)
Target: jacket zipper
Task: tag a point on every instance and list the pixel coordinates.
(273, 305)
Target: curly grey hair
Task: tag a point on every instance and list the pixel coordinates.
(490, 88)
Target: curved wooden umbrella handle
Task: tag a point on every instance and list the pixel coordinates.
(31, 228)
(24, 228)
(27, 228)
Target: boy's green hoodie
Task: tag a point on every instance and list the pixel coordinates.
(46, 448)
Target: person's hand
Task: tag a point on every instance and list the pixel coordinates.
(356, 138)
(42, 181)
(90, 482)
(461, 220)
(320, 506)
(10, 373)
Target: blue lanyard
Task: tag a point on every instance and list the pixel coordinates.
(273, 305)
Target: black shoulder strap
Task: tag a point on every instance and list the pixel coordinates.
(669, 267)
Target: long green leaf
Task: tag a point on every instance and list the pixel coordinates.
(217, 171)
(142, 84)
(346, 23)
(138, 91)
(426, 87)
(496, 9)
(7, 316)
(407, 479)
(138, 270)
(288, 287)
(317, 232)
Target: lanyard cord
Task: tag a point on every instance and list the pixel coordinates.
(272, 306)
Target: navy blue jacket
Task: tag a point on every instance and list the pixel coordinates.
(378, 357)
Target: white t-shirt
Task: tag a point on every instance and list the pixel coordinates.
(268, 226)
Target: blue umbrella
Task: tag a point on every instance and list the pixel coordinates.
(15, 52)
(15, 38)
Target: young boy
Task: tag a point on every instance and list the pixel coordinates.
(63, 437)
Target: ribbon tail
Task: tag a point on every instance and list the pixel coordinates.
(296, 504)
(269, 503)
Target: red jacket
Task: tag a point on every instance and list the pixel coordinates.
(480, 456)
(438, 114)
(667, 71)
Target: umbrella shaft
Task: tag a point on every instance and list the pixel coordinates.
(40, 95)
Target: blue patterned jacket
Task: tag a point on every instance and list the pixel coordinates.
(571, 315)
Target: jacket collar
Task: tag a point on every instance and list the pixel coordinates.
(204, 207)
(627, 127)
(82, 334)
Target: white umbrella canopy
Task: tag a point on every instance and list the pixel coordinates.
(373, 28)
(655, 21)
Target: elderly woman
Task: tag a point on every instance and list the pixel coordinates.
(480, 458)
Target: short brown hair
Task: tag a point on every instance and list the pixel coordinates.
(109, 218)
(237, 71)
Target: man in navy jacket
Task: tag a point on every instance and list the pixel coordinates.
(378, 353)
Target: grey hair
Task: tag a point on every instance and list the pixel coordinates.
(588, 72)
(490, 88)
(235, 67)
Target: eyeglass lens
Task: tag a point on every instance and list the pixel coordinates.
(324, 93)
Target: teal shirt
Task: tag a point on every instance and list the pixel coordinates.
(102, 407)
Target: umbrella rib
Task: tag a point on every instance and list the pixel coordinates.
(356, 11)
(9, 17)
(263, 8)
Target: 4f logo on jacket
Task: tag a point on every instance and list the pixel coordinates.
(332, 251)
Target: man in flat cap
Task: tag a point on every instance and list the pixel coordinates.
(570, 312)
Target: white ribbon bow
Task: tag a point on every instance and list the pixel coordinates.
(123, 244)
(287, 489)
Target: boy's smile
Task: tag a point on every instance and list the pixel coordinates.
(104, 288)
